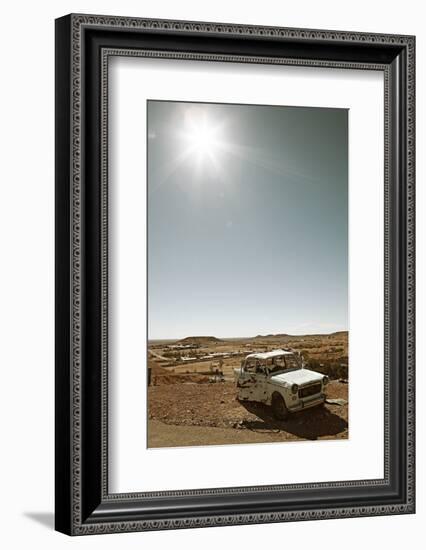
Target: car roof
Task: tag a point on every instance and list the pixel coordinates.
(269, 354)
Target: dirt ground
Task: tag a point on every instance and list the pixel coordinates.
(194, 413)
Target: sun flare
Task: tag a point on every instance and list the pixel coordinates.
(202, 137)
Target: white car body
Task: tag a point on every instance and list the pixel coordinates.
(264, 376)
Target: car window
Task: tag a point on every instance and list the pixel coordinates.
(291, 362)
(278, 364)
(284, 362)
(279, 361)
(260, 368)
(250, 365)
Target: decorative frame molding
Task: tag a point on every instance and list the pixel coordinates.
(84, 43)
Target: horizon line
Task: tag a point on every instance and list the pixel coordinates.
(255, 336)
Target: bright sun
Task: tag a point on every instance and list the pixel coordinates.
(202, 137)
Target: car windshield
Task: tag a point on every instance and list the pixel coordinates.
(284, 362)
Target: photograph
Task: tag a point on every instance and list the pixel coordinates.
(247, 263)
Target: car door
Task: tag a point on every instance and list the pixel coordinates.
(247, 380)
(260, 389)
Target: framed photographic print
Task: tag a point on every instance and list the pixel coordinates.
(234, 274)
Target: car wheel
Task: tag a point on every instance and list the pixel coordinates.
(278, 407)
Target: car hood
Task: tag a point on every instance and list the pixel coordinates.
(301, 377)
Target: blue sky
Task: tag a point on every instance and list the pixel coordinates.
(247, 220)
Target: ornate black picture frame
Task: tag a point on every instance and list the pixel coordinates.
(84, 44)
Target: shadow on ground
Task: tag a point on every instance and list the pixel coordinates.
(46, 519)
(310, 424)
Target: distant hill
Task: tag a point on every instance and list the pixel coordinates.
(341, 334)
(280, 337)
(269, 336)
(199, 340)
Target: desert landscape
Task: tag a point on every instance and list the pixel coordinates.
(192, 391)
